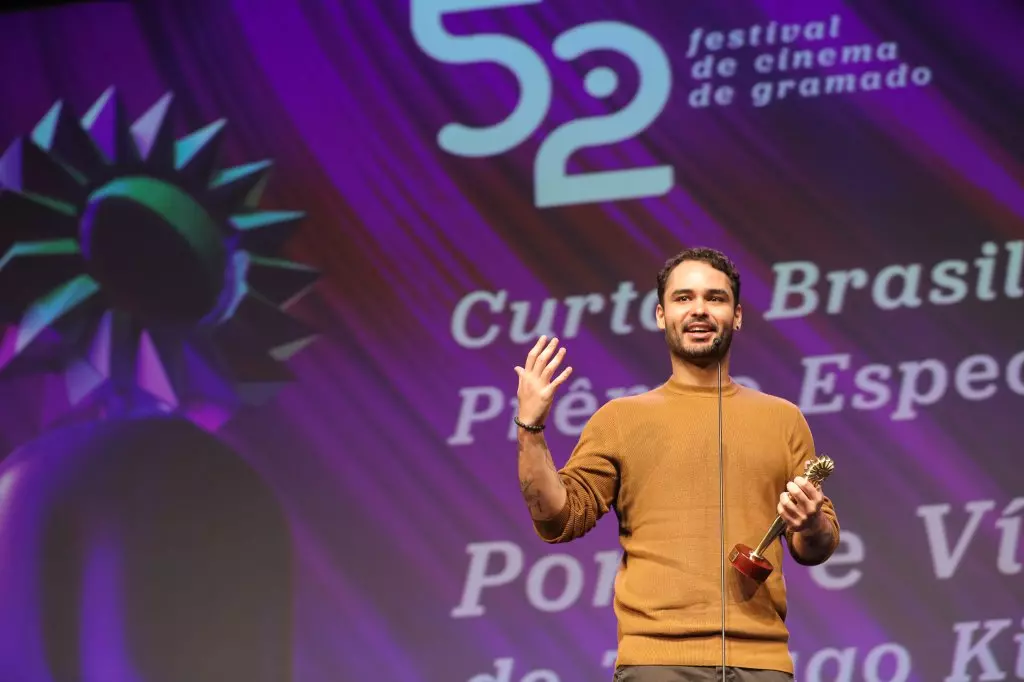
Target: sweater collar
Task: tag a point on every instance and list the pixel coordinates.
(677, 386)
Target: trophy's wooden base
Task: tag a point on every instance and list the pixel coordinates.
(754, 567)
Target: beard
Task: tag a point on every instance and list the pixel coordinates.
(703, 353)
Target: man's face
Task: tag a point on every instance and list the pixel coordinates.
(698, 307)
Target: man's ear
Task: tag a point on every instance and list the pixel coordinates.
(739, 317)
(659, 317)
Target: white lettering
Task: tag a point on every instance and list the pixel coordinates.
(481, 318)
(472, 411)
(766, 92)
(800, 285)
(910, 275)
(571, 413)
(555, 582)
(870, 380)
(849, 552)
(936, 380)
(944, 559)
(1015, 373)
(1018, 639)
(914, 383)
(907, 388)
(460, 316)
(800, 288)
(813, 383)
(899, 656)
(844, 664)
(838, 283)
(967, 650)
(478, 577)
(950, 287)
(544, 326)
(974, 369)
(841, 665)
(1009, 538)
(482, 405)
(1013, 285)
(553, 185)
(986, 265)
(577, 305)
(648, 319)
(785, 287)
(539, 573)
(503, 673)
(621, 298)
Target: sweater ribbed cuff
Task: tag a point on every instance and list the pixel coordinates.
(551, 530)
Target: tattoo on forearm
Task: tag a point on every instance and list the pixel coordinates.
(549, 460)
(528, 488)
(531, 495)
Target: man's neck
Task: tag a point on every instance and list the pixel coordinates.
(703, 374)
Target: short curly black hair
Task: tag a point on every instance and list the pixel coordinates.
(716, 259)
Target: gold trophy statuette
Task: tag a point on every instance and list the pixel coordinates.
(751, 562)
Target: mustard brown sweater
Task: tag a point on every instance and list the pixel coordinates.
(654, 458)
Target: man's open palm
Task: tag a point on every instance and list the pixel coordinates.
(536, 387)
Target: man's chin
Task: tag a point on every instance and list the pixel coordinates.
(703, 348)
(704, 351)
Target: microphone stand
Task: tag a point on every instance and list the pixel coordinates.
(721, 494)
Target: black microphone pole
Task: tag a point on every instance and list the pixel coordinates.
(721, 493)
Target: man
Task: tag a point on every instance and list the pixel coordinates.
(654, 458)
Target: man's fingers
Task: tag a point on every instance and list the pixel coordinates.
(789, 510)
(531, 357)
(806, 494)
(560, 379)
(550, 368)
(788, 513)
(798, 495)
(545, 355)
(810, 490)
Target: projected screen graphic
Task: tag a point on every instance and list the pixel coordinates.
(266, 269)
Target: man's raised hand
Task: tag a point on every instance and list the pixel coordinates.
(536, 387)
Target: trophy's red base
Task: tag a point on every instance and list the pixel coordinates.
(743, 560)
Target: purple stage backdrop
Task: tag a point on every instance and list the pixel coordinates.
(266, 269)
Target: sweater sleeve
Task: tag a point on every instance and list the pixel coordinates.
(801, 447)
(591, 480)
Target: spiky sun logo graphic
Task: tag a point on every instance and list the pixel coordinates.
(146, 275)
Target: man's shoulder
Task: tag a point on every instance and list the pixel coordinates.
(648, 398)
(768, 401)
(627, 406)
(620, 415)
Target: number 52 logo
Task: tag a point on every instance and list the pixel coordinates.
(553, 186)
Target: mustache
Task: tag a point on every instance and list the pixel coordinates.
(700, 323)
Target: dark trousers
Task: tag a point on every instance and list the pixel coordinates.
(684, 673)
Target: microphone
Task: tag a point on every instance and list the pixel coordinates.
(721, 494)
